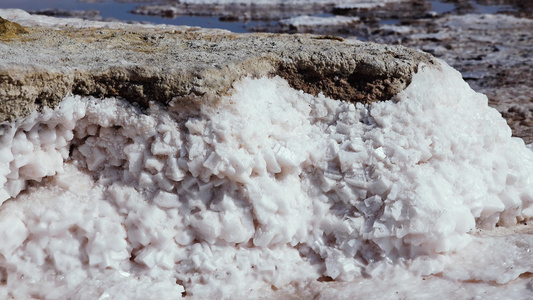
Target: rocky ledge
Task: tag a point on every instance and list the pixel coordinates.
(43, 63)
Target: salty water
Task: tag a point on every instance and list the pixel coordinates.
(122, 11)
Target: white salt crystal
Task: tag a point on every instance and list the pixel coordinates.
(14, 186)
(173, 171)
(146, 180)
(21, 145)
(135, 153)
(166, 200)
(95, 159)
(153, 164)
(162, 147)
(271, 186)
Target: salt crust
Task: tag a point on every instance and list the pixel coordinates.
(319, 21)
(267, 188)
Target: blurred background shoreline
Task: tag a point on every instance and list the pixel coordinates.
(239, 17)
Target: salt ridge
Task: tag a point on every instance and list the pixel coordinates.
(265, 188)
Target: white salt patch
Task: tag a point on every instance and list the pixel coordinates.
(362, 5)
(269, 188)
(319, 21)
(486, 22)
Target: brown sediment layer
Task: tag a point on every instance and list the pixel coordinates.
(9, 30)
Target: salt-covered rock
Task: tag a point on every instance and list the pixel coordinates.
(275, 186)
(143, 63)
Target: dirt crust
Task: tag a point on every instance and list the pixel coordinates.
(9, 30)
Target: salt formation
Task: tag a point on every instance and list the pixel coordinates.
(266, 188)
(319, 21)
